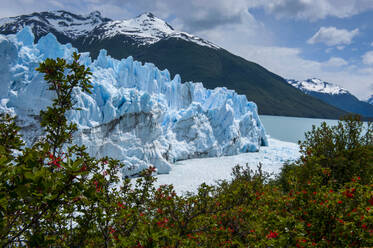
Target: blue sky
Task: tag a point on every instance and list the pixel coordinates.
(328, 39)
(296, 33)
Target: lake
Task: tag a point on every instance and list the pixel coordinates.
(290, 129)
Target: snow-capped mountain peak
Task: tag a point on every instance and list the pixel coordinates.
(333, 95)
(370, 100)
(145, 29)
(148, 18)
(317, 85)
(148, 29)
(69, 24)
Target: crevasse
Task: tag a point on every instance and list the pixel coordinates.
(136, 113)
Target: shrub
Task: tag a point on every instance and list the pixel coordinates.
(344, 150)
(44, 188)
(53, 194)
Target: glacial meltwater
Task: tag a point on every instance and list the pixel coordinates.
(290, 129)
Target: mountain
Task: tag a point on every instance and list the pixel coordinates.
(333, 95)
(146, 29)
(136, 112)
(148, 38)
(66, 25)
(370, 100)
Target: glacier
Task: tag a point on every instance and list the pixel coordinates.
(136, 112)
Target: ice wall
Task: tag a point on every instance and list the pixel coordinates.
(136, 113)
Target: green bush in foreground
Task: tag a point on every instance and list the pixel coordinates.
(53, 194)
(344, 151)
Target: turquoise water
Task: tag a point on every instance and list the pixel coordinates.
(290, 129)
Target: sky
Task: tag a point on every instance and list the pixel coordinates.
(297, 39)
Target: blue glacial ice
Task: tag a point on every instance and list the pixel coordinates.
(136, 112)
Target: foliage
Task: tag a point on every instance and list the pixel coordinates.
(53, 194)
(44, 188)
(344, 150)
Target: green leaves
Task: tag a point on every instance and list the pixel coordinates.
(345, 150)
(43, 185)
(54, 194)
(62, 78)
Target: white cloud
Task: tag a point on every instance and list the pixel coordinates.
(109, 10)
(332, 36)
(192, 15)
(254, 44)
(368, 58)
(316, 9)
(230, 35)
(57, 4)
(195, 15)
(288, 63)
(371, 44)
(335, 62)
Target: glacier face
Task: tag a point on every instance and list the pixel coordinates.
(136, 113)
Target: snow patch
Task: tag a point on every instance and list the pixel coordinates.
(64, 22)
(370, 100)
(148, 29)
(145, 29)
(317, 85)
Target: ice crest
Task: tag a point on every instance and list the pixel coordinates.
(136, 112)
(49, 47)
(26, 36)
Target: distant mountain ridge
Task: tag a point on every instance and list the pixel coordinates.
(333, 95)
(150, 39)
(317, 85)
(370, 100)
(65, 23)
(145, 29)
